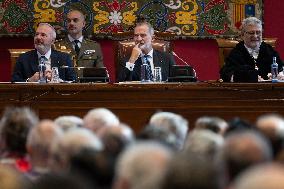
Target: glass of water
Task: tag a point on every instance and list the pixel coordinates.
(157, 74)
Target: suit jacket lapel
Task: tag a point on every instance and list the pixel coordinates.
(54, 59)
(157, 61)
(34, 61)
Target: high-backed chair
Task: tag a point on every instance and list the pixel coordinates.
(226, 45)
(125, 43)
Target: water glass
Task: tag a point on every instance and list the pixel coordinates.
(54, 75)
(157, 74)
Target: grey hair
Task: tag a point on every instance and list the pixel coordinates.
(250, 21)
(150, 27)
(53, 32)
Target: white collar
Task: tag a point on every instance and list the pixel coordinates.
(72, 39)
(47, 55)
(150, 53)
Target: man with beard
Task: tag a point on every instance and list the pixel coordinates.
(87, 53)
(131, 69)
(27, 64)
(251, 56)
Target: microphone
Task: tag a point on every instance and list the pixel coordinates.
(183, 61)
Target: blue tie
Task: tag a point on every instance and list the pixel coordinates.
(149, 71)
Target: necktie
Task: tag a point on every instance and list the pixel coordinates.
(42, 59)
(149, 71)
(77, 48)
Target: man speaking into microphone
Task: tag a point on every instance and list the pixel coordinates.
(130, 69)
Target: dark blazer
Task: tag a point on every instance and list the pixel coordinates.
(27, 65)
(160, 59)
(240, 59)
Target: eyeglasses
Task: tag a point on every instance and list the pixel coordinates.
(253, 32)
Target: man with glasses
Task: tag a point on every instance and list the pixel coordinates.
(131, 68)
(251, 59)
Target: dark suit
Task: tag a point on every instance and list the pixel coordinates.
(27, 65)
(160, 59)
(240, 59)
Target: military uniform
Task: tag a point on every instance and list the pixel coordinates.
(90, 54)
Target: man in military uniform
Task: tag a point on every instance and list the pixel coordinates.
(86, 53)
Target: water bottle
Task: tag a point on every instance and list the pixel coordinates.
(274, 70)
(41, 70)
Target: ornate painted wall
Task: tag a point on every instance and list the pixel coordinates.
(187, 18)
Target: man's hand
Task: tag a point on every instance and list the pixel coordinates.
(34, 78)
(48, 74)
(136, 51)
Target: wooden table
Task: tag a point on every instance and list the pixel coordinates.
(134, 103)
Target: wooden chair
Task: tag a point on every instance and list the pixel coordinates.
(226, 45)
(125, 43)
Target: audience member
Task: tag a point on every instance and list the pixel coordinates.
(69, 122)
(39, 143)
(11, 179)
(267, 176)
(251, 57)
(131, 69)
(174, 123)
(14, 128)
(26, 68)
(142, 166)
(215, 124)
(244, 149)
(98, 118)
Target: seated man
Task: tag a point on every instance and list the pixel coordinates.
(87, 53)
(131, 69)
(26, 68)
(251, 57)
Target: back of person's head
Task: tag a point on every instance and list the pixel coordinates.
(204, 142)
(158, 134)
(272, 126)
(71, 143)
(14, 127)
(141, 166)
(244, 149)
(193, 171)
(174, 123)
(238, 124)
(40, 139)
(69, 122)
(116, 138)
(265, 176)
(214, 124)
(97, 118)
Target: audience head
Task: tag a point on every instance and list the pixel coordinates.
(252, 32)
(141, 166)
(244, 149)
(44, 38)
(143, 35)
(238, 124)
(204, 142)
(265, 176)
(15, 125)
(272, 126)
(215, 124)
(69, 122)
(98, 118)
(75, 23)
(71, 143)
(174, 123)
(193, 171)
(39, 142)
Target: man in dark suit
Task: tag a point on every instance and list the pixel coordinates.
(26, 68)
(131, 69)
(87, 53)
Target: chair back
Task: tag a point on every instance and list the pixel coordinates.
(225, 47)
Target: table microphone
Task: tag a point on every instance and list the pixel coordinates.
(183, 61)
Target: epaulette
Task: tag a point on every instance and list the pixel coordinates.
(90, 40)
